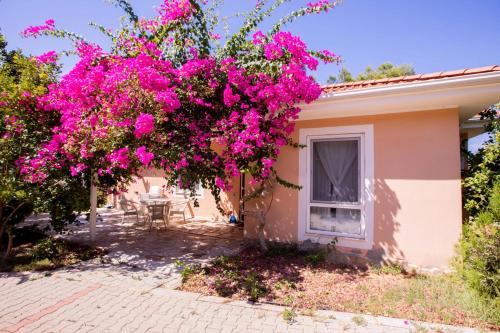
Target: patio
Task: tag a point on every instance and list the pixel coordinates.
(147, 255)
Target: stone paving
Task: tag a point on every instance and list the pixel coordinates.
(133, 290)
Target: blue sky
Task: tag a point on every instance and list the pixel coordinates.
(431, 35)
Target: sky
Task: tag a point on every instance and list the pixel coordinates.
(430, 35)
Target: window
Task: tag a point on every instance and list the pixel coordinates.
(185, 193)
(337, 174)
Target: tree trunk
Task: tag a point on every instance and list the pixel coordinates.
(93, 207)
(10, 243)
(260, 231)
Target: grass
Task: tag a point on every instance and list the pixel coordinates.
(35, 251)
(301, 283)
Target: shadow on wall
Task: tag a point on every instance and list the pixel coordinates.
(281, 223)
(385, 248)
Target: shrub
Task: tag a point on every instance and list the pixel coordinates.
(479, 262)
(45, 249)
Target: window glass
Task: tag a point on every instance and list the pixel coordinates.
(331, 219)
(335, 171)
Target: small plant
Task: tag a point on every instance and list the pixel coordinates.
(187, 270)
(221, 261)
(308, 312)
(359, 320)
(316, 258)
(179, 263)
(417, 328)
(391, 269)
(45, 249)
(254, 287)
(283, 250)
(288, 315)
(288, 300)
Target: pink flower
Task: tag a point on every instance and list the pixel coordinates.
(47, 58)
(35, 31)
(229, 97)
(214, 36)
(172, 10)
(258, 38)
(144, 156)
(75, 170)
(119, 158)
(144, 124)
(320, 6)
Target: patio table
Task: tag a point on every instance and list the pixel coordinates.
(152, 202)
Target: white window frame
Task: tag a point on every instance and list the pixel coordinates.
(366, 202)
(184, 193)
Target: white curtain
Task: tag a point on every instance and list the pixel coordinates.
(335, 171)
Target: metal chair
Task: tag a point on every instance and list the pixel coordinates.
(128, 209)
(157, 212)
(178, 207)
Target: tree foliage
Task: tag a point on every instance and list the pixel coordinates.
(23, 128)
(483, 166)
(385, 70)
(479, 248)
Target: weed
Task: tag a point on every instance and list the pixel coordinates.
(254, 288)
(308, 312)
(417, 328)
(288, 300)
(179, 263)
(391, 269)
(221, 261)
(283, 250)
(189, 270)
(315, 258)
(359, 320)
(288, 315)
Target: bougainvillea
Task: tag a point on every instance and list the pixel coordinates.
(166, 95)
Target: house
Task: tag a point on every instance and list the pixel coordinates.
(381, 171)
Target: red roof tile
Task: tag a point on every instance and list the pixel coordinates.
(336, 87)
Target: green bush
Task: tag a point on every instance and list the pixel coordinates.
(479, 248)
(45, 249)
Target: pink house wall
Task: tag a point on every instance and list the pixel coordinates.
(417, 187)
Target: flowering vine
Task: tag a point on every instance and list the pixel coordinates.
(167, 96)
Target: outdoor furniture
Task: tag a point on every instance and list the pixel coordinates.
(178, 207)
(157, 212)
(154, 192)
(128, 209)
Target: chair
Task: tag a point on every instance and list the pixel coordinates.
(178, 207)
(128, 209)
(157, 212)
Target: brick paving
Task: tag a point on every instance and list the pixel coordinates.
(133, 290)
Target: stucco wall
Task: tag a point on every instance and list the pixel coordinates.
(417, 187)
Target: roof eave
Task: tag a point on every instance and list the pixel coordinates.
(469, 93)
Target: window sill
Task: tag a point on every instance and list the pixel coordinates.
(344, 241)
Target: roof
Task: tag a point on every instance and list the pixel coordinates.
(337, 87)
